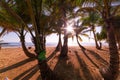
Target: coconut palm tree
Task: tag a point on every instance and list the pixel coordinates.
(117, 29)
(34, 11)
(79, 32)
(91, 20)
(6, 21)
(57, 28)
(107, 11)
(65, 8)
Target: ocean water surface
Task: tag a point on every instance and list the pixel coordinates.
(29, 44)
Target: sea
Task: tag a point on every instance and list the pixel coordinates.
(18, 44)
(29, 44)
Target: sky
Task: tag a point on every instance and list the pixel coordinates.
(53, 38)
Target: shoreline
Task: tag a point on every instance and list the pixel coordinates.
(70, 47)
(29, 44)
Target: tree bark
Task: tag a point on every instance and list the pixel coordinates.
(113, 70)
(118, 39)
(83, 48)
(96, 43)
(2, 32)
(59, 45)
(46, 72)
(64, 49)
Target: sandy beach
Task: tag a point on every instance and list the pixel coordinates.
(79, 65)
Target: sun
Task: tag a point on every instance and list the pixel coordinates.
(70, 29)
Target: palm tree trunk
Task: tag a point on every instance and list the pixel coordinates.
(113, 69)
(46, 72)
(2, 32)
(97, 46)
(83, 48)
(118, 39)
(64, 49)
(27, 53)
(59, 45)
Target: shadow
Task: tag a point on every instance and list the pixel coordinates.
(65, 70)
(89, 58)
(16, 65)
(85, 70)
(103, 50)
(39, 78)
(52, 54)
(98, 57)
(32, 72)
(24, 73)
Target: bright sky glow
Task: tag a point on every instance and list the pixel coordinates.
(69, 29)
(53, 38)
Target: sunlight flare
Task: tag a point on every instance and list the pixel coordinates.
(69, 29)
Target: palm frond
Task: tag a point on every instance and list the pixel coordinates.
(80, 39)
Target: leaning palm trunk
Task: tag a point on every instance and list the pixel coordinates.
(64, 49)
(27, 53)
(2, 32)
(113, 69)
(96, 43)
(59, 45)
(83, 48)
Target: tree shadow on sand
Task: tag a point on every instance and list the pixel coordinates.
(89, 58)
(98, 57)
(102, 67)
(39, 78)
(16, 65)
(65, 70)
(26, 75)
(84, 69)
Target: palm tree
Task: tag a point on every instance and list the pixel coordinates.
(117, 29)
(80, 30)
(103, 34)
(9, 23)
(107, 12)
(91, 20)
(65, 7)
(57, 28)
(36, 19)
(39, 38)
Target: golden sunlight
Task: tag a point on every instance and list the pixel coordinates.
(70, 29)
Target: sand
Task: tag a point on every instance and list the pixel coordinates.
(79, 65)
